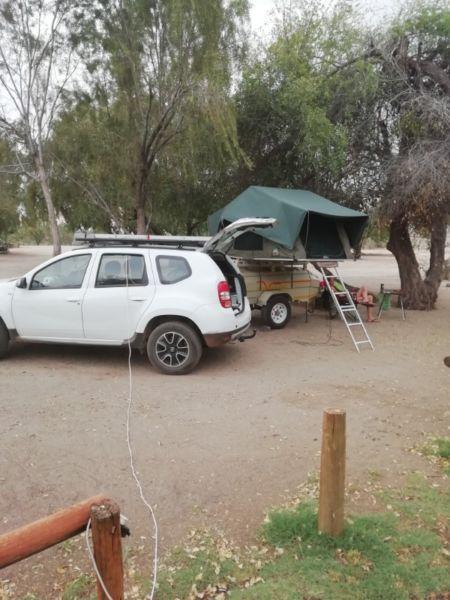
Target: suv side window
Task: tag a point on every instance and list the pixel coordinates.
(172, 269)
(121, 270)
(67, 273)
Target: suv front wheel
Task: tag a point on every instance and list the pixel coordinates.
(174, 348)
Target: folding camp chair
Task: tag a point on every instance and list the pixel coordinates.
(384, 300)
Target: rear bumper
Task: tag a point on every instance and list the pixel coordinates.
(213, 340)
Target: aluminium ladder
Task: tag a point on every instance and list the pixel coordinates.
(347, 309)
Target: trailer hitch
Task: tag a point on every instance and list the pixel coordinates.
(247, 336)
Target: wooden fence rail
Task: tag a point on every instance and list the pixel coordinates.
(47, 532)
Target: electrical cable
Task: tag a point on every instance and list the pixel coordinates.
(130, 448)
(330, 341)
(150, 596)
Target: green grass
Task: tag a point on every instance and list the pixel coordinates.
(402, 553)
(80, 588)
(443, 447)
(396, 555)
(439, 449)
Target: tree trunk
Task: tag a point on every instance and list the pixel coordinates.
(437, 253)
(415, 293)
(141, 221)
(141, 227)
(43, 180)
(357, 250)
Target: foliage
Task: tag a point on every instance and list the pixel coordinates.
(97, 191)
(9, 191)
(175, 67)
(35, 68)
(299, 116)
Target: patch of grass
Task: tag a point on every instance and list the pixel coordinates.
(438, 450)
(443, 447)
(80, 588)
(396, 555)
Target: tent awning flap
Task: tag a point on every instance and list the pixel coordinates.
(294, 211)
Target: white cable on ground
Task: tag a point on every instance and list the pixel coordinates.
(136, 479)
(130, 449)
(133, 471)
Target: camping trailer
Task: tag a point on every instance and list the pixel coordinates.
(309, 228)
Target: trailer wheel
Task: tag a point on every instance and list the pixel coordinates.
(277, 312)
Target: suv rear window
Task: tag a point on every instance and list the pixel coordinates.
(115, 269)
(172, 269)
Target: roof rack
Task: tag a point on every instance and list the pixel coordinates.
(118, 239)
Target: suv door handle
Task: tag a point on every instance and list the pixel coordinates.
(74, 300)
(138, 299)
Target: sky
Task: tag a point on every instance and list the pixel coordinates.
(375, 11)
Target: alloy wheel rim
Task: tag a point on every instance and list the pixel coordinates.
(172, 349)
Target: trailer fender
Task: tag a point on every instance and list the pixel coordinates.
(265, 297)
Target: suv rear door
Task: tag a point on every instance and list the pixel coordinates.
(217, 248)
(120, 289)
(223, 240)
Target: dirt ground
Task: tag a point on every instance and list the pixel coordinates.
(222, 445)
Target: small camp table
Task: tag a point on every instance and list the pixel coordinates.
(384, 300)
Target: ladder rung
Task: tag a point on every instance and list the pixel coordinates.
(349, 307)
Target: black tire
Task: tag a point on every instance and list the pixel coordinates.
(4, 340)
(277, 312)
(174, 348)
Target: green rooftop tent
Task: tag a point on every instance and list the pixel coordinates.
(308, 226)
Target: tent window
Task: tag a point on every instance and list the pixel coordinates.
(248, 241)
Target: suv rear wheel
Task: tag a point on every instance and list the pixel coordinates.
(4, 340)
(174, 348)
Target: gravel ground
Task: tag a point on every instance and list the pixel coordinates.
(220, 446)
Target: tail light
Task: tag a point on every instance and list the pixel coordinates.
(223, 289)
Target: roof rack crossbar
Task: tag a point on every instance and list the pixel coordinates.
(118, 239)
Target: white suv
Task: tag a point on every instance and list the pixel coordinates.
(171, 301)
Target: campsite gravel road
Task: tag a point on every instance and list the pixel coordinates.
(220, 446)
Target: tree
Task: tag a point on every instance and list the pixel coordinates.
(192, 179)
(34, 71)
(296, 110)
(414, 70)
(399, 136)
(155, 59)
(93, 166)
(9, 191)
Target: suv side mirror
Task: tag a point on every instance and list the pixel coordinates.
(22, 283)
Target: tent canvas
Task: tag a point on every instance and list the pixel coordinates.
(308, 225)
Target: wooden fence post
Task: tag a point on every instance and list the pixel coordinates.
(332, 473)
(106, 539)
